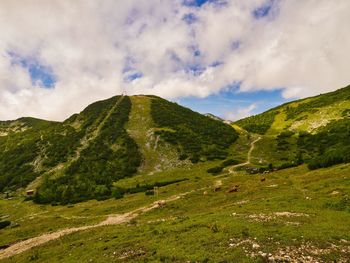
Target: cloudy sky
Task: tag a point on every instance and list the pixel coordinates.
(229, 57)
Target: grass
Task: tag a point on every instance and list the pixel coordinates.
(201, 226)
(240, 148)
(160, 155)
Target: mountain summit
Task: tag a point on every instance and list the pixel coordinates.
(80, 158)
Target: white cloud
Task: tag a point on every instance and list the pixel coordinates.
(240, 113)
(301, 47)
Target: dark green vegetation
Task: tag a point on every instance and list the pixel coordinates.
(4, 224)
(258, 123)
(196, 137)
(33, 146)
(19, 150)
(329, 146)
(112, 155)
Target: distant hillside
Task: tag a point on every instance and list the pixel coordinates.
(83, 156)
(213, 117)
(313, 130)
(301, 115)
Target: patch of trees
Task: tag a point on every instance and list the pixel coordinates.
(329, 146)
(91, 116)
(113, 155)
(61, 141)
(258, 123)
(149, 187)
(283, 140)
(4, 224)
(17, 154)
(197, 137)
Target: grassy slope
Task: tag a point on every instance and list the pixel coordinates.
(157, 155)
(201, 227)
(240, 148)
(308, 115)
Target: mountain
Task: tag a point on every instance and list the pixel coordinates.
(185, 187)
(314, 130)
(82, 157)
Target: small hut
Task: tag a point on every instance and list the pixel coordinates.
(30, 192)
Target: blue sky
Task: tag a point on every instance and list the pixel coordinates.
(40, 74)
(228, 104)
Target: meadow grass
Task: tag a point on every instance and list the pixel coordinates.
(205, 226)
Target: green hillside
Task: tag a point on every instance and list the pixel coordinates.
(315, 131)
(196, 136)
(82, 157)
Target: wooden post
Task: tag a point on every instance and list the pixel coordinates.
(155, 190)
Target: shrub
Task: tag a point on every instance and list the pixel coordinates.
(117, 192)
(215, 170)
(4, 224)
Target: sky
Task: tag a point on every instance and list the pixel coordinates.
(231, 58)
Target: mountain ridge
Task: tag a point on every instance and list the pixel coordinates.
(122, 136)
(81, 157)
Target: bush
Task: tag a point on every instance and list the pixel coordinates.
(329, 146)
(117, 192)
(4, 224)
(215, 170)
(149, 192)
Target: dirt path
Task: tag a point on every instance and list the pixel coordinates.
(22, 246)
(249, 156)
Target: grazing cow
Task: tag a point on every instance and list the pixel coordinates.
(217, 188)
(217, 185)
(161, 203)
(233, 189)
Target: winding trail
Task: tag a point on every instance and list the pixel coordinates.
(27, 244)
(249, 156)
